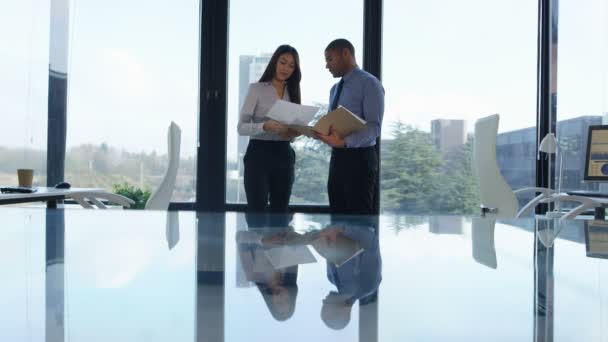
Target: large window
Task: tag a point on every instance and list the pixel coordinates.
(581, 99)
(257, 28)
(24, 63)
(445, 65)
(133, 69)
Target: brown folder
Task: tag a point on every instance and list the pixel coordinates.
(343, 121)
(339, 252)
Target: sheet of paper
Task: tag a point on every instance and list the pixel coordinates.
(286, 256)
(289, 113)
(304, 130)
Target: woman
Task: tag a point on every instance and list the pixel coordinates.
(269, 160)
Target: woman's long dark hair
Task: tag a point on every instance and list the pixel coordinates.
(289, 280)
(293, 82)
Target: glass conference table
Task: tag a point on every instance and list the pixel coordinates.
(119, 275)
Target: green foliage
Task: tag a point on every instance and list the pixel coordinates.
(139, 196)
(410, 170)
(459, 193)
(416, 178)
(312, 168)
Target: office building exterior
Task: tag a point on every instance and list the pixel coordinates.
(448, 135)
(516, 154)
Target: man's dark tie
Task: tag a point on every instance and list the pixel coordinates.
(334, 103)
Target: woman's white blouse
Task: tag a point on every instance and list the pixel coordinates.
(260, 98)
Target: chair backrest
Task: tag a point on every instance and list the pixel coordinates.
(493, 189)
(160, 199)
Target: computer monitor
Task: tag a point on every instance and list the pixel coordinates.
(596, 159)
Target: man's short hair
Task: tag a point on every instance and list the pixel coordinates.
(340, 44)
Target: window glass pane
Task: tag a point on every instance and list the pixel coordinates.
(445, 65)
(133, 70)
(257, 28)
(24, 66)
(582, 92)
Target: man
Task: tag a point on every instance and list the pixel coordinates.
(353, 167)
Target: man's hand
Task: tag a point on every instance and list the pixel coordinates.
(333, 139)
(275, 127)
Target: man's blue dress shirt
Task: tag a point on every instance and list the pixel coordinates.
(363, 95)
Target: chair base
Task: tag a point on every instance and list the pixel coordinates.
(486, 210)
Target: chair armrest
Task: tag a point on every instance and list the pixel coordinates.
(545, 191)
(586, 203)
(571, 198)
(82, 197)
(528, 207)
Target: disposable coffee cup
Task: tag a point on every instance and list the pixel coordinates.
(26, 177)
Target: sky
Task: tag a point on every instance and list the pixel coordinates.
(133, 67)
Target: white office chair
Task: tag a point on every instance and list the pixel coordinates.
(496, 195)
(90, 199)
(161, 198)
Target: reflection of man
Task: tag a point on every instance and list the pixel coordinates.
(356, 279)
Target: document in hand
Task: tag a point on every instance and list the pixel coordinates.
(289, 113)
(342, 120)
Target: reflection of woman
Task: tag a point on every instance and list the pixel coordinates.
(278, 286)
(269, 160)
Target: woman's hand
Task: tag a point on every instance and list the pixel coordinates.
(290, 135)
(331, 234)
(275, 127)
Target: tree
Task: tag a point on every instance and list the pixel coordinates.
(311, 171)
(410, 169)
(459, 193)
(416, 178)
(312, 168)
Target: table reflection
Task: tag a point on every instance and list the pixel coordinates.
(183, 276)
